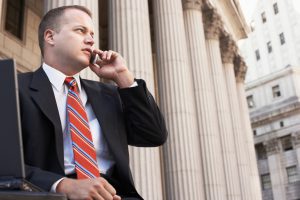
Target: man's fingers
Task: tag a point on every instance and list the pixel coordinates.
(108, 187)
(103, 190)
(104, 193)
(116, 197)
(109, 53)
(94, 68)
(98, 51)
(103, 55)
(106, 55)
(97, 196)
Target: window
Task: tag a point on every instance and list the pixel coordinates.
(276, 91)
(261, 152)
(292, 174)
(281, 124)
(286, 143)
(282, 39)
(14, 17)
(252, 26)
(266, 181)
(257, 54)
(254, 132)
(269, 47)
(250, 101)
(263, 17)
(275, 7)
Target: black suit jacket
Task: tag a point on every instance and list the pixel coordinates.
(126, 116)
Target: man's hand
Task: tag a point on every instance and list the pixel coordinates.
(93, 189)
(113, 67)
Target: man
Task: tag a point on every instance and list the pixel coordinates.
(107, 118)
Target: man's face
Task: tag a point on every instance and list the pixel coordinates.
(74, 40)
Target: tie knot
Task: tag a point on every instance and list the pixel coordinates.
(71, 82)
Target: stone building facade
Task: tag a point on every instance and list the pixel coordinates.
(186, 51)
(273, 95)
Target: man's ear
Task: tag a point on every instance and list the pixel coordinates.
(49, 36)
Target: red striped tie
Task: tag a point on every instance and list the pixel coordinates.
(82, 142)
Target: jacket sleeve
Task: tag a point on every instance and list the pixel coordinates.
(41, 178)
(144, 121)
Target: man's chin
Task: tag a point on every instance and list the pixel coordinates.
(85, 63)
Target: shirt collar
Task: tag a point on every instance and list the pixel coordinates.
(57, 78)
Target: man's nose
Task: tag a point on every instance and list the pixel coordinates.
(89, 40)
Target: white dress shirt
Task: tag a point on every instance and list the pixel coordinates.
(104, 157)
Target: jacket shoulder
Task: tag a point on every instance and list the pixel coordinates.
(24, 79)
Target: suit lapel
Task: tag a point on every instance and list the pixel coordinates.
(42, 94)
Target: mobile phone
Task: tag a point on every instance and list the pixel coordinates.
(94, 58)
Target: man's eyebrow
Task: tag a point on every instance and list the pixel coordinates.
(80, 26)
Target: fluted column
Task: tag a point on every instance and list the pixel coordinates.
(213, 26)
(130, 35)
(296, 145)
(1, 5)
(92, 5)
(182, 158)
(240, 72)
(276, 170)
(213, 167)
(229, 50)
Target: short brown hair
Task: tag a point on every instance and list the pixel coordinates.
(51, 21)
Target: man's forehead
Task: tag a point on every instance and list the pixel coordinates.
(72, 13)
(76, 16)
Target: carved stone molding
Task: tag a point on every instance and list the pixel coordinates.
(228, 48)
(272, 146)
(240, 68)
(296, 139)
(212, 22)
(192, 4)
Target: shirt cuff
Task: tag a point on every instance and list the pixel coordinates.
(134, 84)
(54, 186)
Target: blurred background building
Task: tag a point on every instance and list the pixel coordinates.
(273, 91)
(186, 51)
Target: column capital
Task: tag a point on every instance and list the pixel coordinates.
(228, 48)
(240, 68)
(192, 4)
(212, 22)
(272, 146)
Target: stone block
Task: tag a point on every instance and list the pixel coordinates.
(32, 34)
(1, 39)
(29, 43)
(27, 55)
(36, 49)
(12, 45)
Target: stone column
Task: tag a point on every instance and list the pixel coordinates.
(276, 170)
(182, 157)
(296, 145)
(92, 5)
(229, 50)
(213, 166)
(213, 26)
(129, 31)
(240, 72)
(1, 8)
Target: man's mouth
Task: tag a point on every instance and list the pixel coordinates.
(87, 51)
